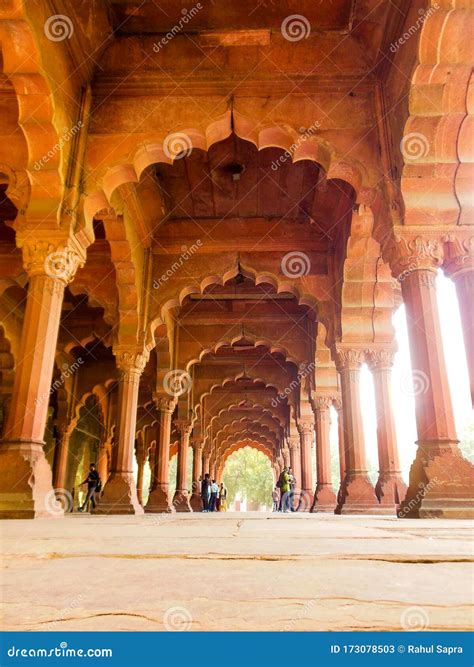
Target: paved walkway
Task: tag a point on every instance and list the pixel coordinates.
(235, 571)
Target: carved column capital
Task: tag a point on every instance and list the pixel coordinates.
(130, 364)
(322, 402)
(407, 254)
(305, 427)
(349, 359)
(293, 443)
(380, 359)
(337, 404)
(198, 445)
(459, 255)
(184, 427)
(165, 403)
(56, 259)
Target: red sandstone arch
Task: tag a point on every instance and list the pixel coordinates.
(281, 284)
(241, 444)
(22, 64)
(130, 165)
(368, 291)
(437, 184)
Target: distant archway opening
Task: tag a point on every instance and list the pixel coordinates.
(248, 478)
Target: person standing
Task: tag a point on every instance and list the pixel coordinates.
(93, 484)
(291, 498)
(214, 495)
(285, 490)
(206, 492)
(276, 499)
(222, 498)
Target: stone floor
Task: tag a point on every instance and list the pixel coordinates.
(234, 571)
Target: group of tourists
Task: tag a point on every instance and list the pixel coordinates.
(284, 492)
(214, 497)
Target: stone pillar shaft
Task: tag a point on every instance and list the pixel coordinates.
(324, 496)
(26, 489)
(357, 494)
(158, 500)
(306, 431)
(120, 492)
(196, 502)
(181, 496)
(440, 479)
(390, 488)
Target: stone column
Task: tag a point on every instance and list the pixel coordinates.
(340, 440)
(141, 458)
(390, 488)
(295, 464)
(285, 452)
(357, 495)
(459, 266)
(324, 496)
(26, 489)
(181, 496)
(120, 492)
(196, 500)
(206, 457)
(212, 468)
(60, 464)
(441, 480)
(103, 462)
(306, 431)
(158, 500)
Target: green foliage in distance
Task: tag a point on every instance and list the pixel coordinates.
(249, 471)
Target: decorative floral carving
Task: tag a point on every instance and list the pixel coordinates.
(349, 359)
(130, 364)
(459, 255)
(57, 260)
(409, 254)
(380, 359)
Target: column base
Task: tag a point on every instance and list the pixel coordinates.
(441, 484)
(305, 501)
(119, 496)
(159, 501)
(26, 489)
(390, 488)
(357, 496)
(196, 502)
(324, 499)
(181, 501)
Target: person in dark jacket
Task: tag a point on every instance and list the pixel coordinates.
(206, 492)
(93, 485)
